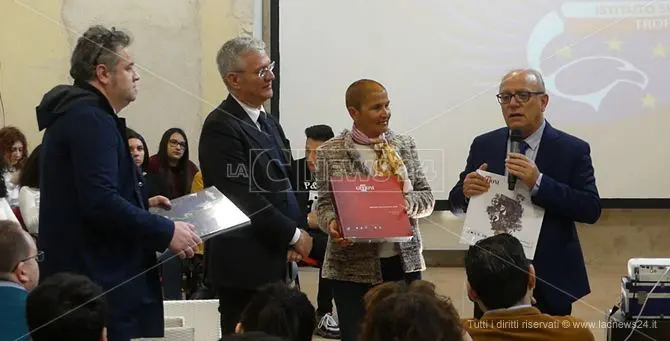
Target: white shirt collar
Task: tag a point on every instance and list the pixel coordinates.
(253, 113)
(514, 307)
(534, 139)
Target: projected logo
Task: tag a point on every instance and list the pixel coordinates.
(603, 60)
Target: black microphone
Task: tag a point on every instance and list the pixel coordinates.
(515, 143)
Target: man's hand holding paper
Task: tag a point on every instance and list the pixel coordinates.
(184, 240)
(475, 183)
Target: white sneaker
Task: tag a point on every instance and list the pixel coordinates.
(328, 327)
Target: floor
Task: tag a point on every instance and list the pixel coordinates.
(605, 284)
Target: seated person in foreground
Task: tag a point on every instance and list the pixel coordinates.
(19, 273)
(499, 286)
(410, 312)
(251, 336)
(280, 311)
(67, 307)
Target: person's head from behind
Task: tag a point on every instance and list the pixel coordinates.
(409, 312)
(280, 311)
(316, 136)
(30, 174)
(369, 107)
(67, 307)
(246, 70)
(102, 58)
(523, 99)
(138, 149)
(252, 336)
(14, 147)
(499, 274)
(18, 255)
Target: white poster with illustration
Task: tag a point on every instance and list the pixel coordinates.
(500, 210)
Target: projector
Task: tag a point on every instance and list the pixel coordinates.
(648, 269)
(645, 292)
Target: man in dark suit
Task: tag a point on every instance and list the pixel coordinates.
(93, 207)
(244, 153)
(558, 168)
(305, 183)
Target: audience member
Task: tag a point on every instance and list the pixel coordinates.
(369, 149)
(93, 216)
(410, 312)
(152, 183)
(29, 194)
(501, 282)
(175, 172)
(19, 273)
(15, 152)
(138, 149)
(67, 307)
(173, 165)
(306, 194)
(281, 311)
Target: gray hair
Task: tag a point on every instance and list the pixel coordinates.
(98, 45)
(229, 55)
(532, 75)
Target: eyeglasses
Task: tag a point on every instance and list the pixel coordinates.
(106, 39)
(38, 257)
(176, 143)
(521, 96)
(262, 72)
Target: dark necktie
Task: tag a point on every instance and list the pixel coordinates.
(523, 146)
(293, 207)
(263, 123)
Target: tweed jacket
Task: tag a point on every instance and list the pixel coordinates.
(360, 262)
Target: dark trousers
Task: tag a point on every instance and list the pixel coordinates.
(324, 296)
(542, 305)
(171, 273)
(232, 302)
(349, 296)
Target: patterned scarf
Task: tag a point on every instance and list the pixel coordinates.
(388, 162)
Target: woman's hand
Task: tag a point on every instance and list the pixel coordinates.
(160, 201)
(334, 232)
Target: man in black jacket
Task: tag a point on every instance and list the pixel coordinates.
(303, 175)
(93, 208)
(245, 154)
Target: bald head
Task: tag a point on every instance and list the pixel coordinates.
(359, 90)
(523, 99)
(532, 77)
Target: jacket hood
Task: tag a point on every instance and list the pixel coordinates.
(59, 100)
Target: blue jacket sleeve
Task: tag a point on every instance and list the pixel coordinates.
(94, 144)
(578, 200)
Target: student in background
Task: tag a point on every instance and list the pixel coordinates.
(15, 152)
(306, 194)
(172, 164)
